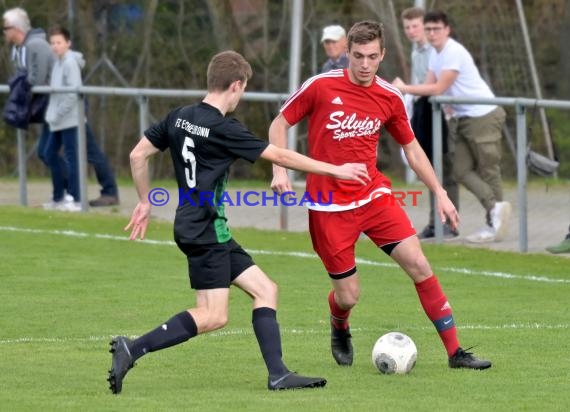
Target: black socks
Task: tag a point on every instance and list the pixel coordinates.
(175, 330)
(268, 336)
(182, 327)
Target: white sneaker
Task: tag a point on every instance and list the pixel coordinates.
(500, 215)
(69, 207)
(67, 198)
(485, 235)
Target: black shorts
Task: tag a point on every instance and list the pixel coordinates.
(215, 265)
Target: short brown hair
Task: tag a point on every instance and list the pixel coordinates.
(60, 30)
(225, 68)
(366, 31)
(413, 13)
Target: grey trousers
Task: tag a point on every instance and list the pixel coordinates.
(478, 151)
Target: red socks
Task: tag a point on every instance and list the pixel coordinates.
(438, 310)
(435, 305)
(339, 317)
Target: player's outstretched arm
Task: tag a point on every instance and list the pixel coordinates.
(293, 160)
(139, 158)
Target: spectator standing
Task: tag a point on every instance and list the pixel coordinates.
(334, 43)
(476, 130)
(62, 117)
(413, 23)
(31, 55)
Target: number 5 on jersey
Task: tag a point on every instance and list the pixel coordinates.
(190, 159)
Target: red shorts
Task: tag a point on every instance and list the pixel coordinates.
(334, 234)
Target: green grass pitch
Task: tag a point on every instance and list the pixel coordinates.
(69, 282)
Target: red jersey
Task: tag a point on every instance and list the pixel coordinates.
(344, 127)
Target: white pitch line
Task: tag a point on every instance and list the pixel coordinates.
(304, 255)
(73, 233)
(293, 331)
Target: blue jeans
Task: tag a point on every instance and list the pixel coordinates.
(98, 160)
(69, 139)
(62, 168)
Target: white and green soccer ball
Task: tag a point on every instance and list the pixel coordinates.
(394, 352)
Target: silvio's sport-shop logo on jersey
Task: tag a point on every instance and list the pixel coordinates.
(348, 125)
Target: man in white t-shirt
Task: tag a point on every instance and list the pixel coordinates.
(476, 130)
(421, 118)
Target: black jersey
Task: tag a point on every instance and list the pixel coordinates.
(203, 144)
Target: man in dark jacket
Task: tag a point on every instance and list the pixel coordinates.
(31, 54)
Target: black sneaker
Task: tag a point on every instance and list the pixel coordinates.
(122, 362)
(429, 233)
(449, 233)
(293, 381)
(104, 200)
(464, 359)
(341, 346)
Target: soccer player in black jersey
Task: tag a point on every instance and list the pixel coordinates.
(203, 144)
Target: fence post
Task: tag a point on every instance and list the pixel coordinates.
(437, 164)
(82, 152)
(521, 176)
(143, 114)
(22, 178)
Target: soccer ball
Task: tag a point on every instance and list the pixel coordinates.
(394, 352)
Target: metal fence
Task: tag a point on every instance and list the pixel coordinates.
(521, 105)
(142, 95)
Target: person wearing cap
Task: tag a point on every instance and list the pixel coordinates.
(334, 42)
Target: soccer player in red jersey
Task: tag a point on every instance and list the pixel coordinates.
(346, 109)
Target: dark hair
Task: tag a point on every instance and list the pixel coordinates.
(60, 30)
(366, 31)
(225, 68)
(413, 13)
(436, 16)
